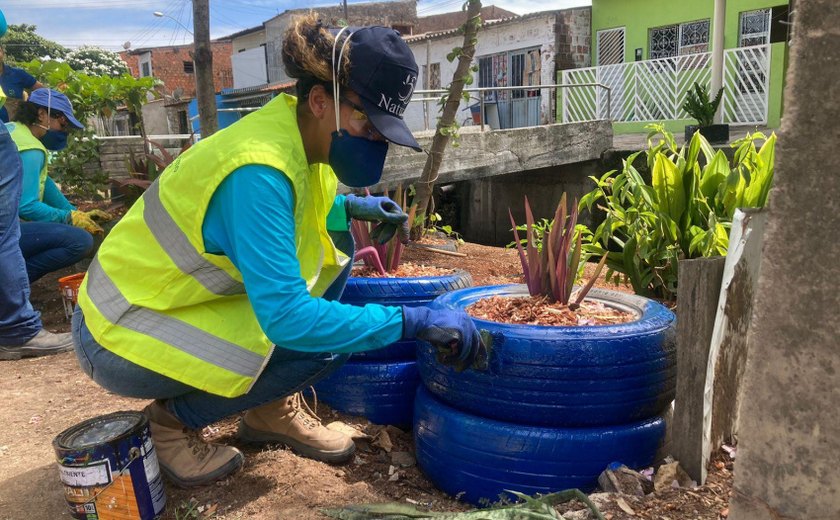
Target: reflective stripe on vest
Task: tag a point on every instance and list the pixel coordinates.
(183, 254)
(191, 340)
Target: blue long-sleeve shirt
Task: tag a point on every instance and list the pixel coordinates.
(54, 207)
(250, 220)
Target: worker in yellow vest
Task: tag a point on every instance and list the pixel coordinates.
(215, 294)
(21, 331)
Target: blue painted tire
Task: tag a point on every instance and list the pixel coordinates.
(475, 459)
(563, 376)
(382, 392)
(414, 292)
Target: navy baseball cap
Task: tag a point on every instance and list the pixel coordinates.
(383, 73)
(55, 101)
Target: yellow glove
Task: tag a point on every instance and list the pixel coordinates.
(99, 216)
(80, 219)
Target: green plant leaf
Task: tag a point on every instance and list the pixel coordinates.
(668, 185)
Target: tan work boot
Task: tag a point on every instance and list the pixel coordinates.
(290, 421)
(44, 343)
(183, 455)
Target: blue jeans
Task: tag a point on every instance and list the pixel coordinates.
(19, 322)
(287, 371)
(50, 246)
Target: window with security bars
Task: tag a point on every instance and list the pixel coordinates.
(679, 39)
(493, 72)
(610, 49)
(694, 37)
(754, 28)
(663, 42)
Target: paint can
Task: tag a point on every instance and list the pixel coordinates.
(109, 468)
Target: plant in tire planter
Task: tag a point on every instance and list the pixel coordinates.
(577, 387)
(699, 106)
(380, 384)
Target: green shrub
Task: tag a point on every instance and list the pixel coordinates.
(77, 168)
(684, 212)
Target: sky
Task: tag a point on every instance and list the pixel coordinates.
(111, 23)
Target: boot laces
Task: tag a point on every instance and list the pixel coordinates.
(196, 444)
(308, 417)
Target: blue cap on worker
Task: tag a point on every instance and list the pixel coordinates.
(383, 73)
(54, 100)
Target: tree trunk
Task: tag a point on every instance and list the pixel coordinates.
(205, 92)
(426, 183)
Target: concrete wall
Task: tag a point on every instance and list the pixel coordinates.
(249, 68)
(155, 118)
(789, 444)
(248, 41)
(482, 205)
(501, 152)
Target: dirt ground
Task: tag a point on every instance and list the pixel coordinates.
(41, 397)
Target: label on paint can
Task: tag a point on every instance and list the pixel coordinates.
(109, 469)
(95, 475)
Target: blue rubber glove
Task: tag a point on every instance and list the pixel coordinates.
(389, 214)
(451, 332)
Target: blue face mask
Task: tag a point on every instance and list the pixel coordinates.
(54, 140)
(357, 161)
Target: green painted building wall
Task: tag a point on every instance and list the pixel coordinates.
(639, 16)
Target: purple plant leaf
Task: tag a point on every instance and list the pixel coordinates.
(361, 233)
(585, 290)
(573, 269)
(568, 239)
(370, 257)
(522, 259)
(533, 254)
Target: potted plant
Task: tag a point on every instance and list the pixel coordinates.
(576, 377)
(380, 384)
(699, 106)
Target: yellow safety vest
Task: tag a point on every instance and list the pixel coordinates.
(24, 140)
(155, 296)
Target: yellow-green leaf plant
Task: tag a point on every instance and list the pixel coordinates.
(684, 212)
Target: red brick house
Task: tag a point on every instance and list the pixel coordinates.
(173, 65)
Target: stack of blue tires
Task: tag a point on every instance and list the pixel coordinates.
(381, 384)
(554, 408)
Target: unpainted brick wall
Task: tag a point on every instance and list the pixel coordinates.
(168, 66)
(573, 38)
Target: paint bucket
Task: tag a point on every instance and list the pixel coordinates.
(109, 468)
(69, 288)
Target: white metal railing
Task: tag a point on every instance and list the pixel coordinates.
(746, 79)
(512, 112)
(655, 90)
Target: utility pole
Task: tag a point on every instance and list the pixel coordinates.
(205, 92)
(346, 18)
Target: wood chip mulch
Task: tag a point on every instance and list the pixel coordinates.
(535, 310)
(405, 270)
